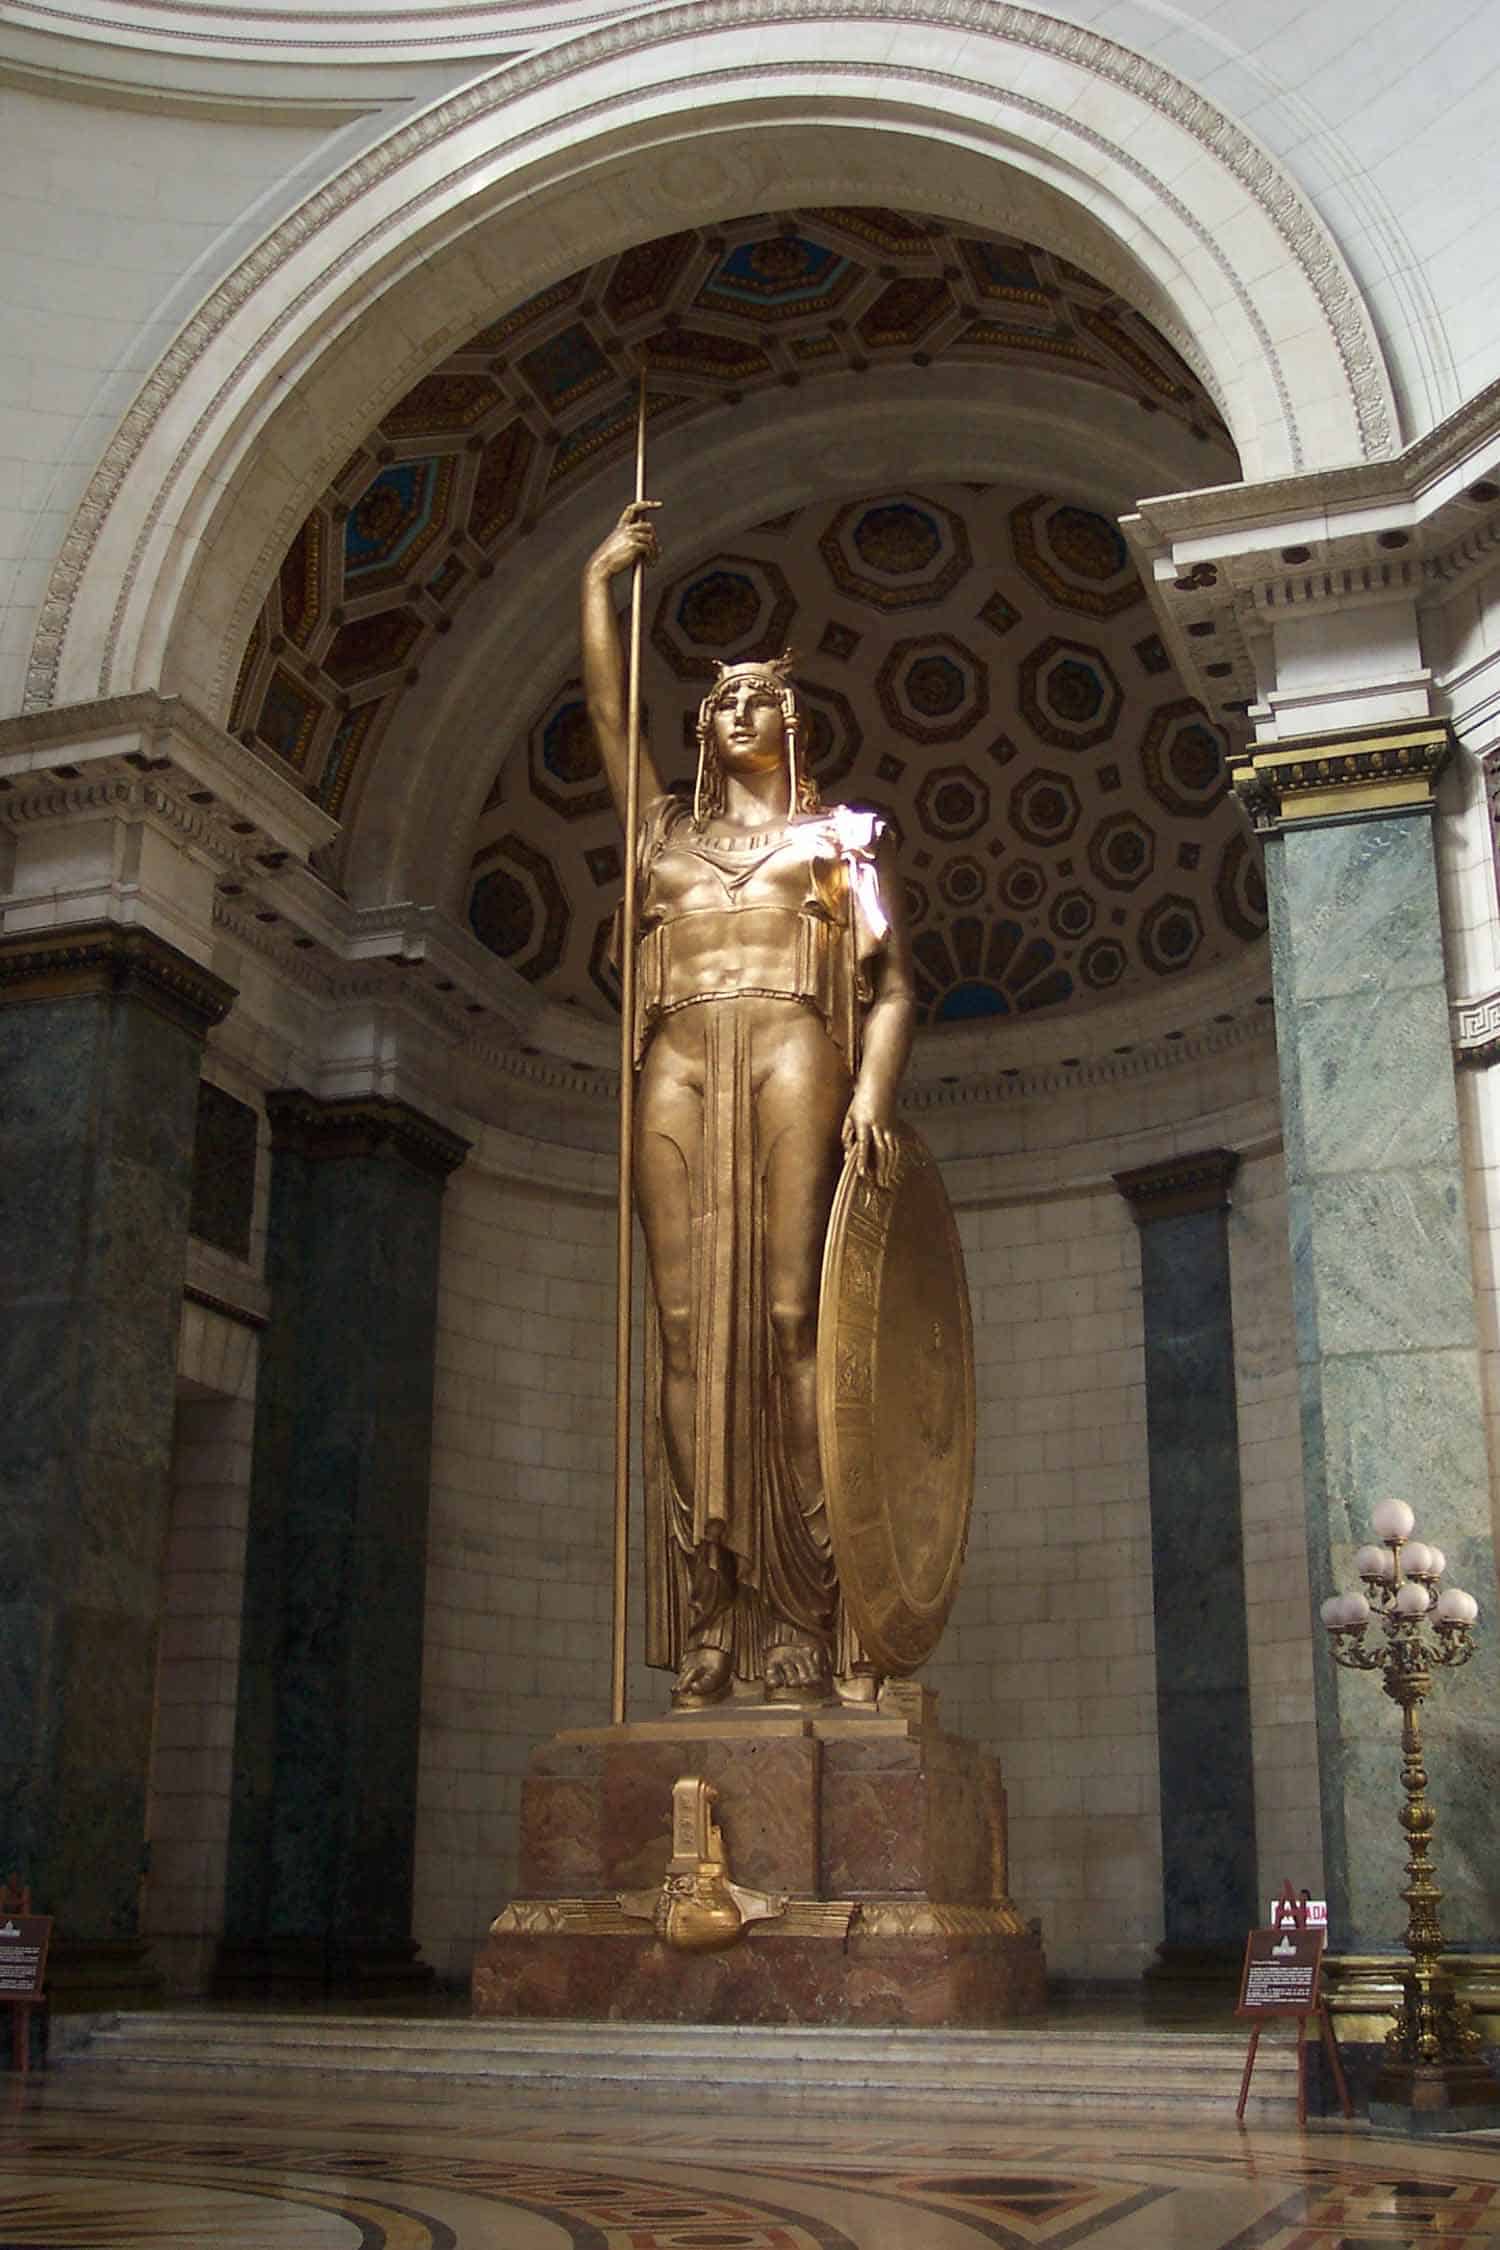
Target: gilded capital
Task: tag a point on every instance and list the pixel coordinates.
(1363, 770)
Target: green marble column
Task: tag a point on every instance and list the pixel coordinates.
(1197, 1563)
(1383, 1289)
(101, 1044)
(325, 1790)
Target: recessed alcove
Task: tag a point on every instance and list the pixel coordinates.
(903, 447)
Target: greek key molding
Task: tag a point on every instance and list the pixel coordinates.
(1476, 1031)
(1292, 217)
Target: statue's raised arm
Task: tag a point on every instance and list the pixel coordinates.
(633, 540)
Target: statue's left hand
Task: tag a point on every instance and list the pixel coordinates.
(869, 1136)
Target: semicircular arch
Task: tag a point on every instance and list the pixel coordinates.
(1011, 119)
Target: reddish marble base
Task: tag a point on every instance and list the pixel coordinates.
(884, 1836)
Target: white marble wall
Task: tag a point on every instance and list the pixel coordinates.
(113, 223)
(1463, 646)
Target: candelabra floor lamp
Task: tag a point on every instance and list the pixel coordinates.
(1435, 2078)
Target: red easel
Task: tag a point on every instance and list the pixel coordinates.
(1283, 1966)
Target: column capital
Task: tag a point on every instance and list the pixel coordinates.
(362, 1125)
(106, 958)
(1179, 1185)
(1355, 771)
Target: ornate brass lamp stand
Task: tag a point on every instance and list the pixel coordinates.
(1435, 2078)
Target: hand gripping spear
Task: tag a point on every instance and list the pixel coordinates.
(625, 1243)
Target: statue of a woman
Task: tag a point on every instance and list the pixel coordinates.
(774, 1019)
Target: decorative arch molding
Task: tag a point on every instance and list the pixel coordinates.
(496, 189)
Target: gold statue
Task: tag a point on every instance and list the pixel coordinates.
(774, 1019)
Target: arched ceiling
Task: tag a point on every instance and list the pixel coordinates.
(980, 663)
(464, 470)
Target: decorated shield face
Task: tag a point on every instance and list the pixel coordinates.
(773, 676)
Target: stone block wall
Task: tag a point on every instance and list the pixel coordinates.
(203, 1586)
(1049, 1656)
(198, 1664)
(518, 1597)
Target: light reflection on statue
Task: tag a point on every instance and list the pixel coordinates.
(774, 1019)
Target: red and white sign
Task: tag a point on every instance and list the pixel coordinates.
(1314, 1909)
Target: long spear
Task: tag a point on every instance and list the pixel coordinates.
(625, 1241)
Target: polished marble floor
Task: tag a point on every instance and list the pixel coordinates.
(123, 2162)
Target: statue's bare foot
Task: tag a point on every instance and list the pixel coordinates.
(859, 1688)
(702, 1678)
(797, 1670)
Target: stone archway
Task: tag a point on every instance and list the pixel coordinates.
(1011, 117)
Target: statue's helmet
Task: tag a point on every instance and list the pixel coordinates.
(774, 675)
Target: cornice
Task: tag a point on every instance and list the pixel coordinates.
(974, 1086)
(1263, 182)
(131, 798)
(1147, 1058)
(1225, 563)
(415, 958)
(104, 960)
(234, 799)
(361, 1126)
(1459, 447)
(228, 1308)
(1179, 1186)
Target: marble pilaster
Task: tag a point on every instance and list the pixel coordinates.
(1382, 1283)
(101, 1037)
(324, 1810)
(1197, 1559)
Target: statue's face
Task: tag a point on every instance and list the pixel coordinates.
(748, 728)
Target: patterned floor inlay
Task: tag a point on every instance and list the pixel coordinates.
(118, 2162)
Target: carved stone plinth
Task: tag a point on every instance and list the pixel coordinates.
(879, 1841)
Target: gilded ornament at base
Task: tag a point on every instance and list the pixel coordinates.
(698, 1908)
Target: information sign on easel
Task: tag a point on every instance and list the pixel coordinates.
(1283, 1966)
(24, 1939)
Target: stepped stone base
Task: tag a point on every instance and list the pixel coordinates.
(878, 1840)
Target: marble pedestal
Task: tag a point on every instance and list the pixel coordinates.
(885, 1837)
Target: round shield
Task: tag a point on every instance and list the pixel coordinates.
(896, 1404)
